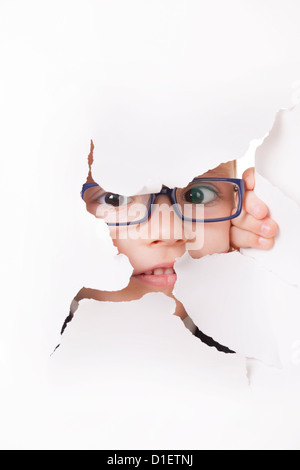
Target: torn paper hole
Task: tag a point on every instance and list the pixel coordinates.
(255, 333)
(153, 254)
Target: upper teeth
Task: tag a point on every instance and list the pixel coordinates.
(160, 271)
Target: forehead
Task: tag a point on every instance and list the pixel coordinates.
(225, 170)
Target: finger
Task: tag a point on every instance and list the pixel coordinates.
(244, 239)
(254, 206)
(266, 227)
(249, 178)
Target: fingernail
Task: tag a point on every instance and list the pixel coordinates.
(265, 229)
(263, 241)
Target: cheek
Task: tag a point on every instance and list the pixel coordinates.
(216, 239)
(121, 241)
(133, 249)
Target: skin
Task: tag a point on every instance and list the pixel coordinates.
(252, 229)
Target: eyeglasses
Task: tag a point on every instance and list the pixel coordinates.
(220, 199)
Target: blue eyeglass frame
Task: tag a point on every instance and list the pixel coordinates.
(171, 193)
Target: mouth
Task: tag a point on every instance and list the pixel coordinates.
(159, 276)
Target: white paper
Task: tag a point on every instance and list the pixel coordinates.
(276, 183)
(166, 90)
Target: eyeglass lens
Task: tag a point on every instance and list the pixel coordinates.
(218, 199)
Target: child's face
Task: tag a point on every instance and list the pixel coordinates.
(166, 243)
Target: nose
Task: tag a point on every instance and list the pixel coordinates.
(164, 225)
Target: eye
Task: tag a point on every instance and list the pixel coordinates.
(115, 200)
(200, 195)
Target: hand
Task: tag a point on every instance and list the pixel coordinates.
(253, 228)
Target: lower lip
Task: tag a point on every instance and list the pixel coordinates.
(158, 280)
